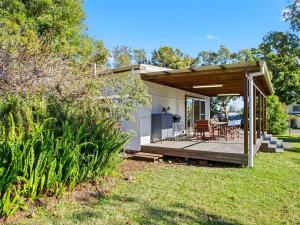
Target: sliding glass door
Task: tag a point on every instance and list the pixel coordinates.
(195, 110)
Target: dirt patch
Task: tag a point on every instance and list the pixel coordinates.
(130, 166)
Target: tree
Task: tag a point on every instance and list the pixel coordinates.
(140, 56)
(218, 104)
(245, 55)
(277, 118)
(166, 56)
(122, 56)
(292, 15)
(281, 51)
(55, 25)
(222, 56)
(207, 58)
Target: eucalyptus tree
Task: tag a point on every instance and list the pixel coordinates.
(281, 51)
(140, 56)
(169, 57)
(122, 56)
(292, 15)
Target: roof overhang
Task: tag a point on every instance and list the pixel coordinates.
(230, 77)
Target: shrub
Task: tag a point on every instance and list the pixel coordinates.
(46, 146)
(277, 118)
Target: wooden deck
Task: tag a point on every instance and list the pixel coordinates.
(231, 151)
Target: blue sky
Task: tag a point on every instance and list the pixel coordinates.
(191, 25)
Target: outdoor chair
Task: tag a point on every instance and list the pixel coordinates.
(201, 127)
(237, 127)
(230, 129)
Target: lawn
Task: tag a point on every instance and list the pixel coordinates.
(164, 193)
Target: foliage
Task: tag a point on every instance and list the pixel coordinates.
(281, 51)
(140, 56)
(55, 24)
(122, 94)
(220, 105)
(167, 57)
(122, 56)
(277, 118)
(292, 15)
(222, 56)
(46, 147)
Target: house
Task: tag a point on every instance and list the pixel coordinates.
(187, 92)
(294, 113)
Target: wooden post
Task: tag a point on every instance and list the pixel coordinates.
(259, 115)
(254, 115)
(263, 115)
(246, 146)
(265, 112)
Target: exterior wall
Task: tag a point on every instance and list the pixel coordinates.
(161, 96)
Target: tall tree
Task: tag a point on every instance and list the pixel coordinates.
(222, 56)
(140, 56)
(122, 56)
(292, 15)
(55, 25)
(166, 56)
(281, 51)
(206, 58)
(246, 55)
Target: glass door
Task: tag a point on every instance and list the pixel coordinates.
(189, 118)
(195, 110)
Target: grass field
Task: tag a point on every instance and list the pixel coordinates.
(178, 194)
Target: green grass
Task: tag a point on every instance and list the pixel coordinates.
(175, 194)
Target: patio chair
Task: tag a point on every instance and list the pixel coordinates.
(202, 126)
(230, 129)
(237, 127)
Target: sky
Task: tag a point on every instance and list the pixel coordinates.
(190, 25)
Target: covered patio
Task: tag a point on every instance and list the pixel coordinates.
(249, 80)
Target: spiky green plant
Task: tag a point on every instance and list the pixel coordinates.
(47, 146)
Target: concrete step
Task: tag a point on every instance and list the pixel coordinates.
(266, 146)
(279, 150)
(267, 136)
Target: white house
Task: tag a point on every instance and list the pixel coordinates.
(294, 112)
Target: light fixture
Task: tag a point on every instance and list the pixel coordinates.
(229, 94)
(208, 86)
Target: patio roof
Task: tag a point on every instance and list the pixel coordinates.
(227, 79)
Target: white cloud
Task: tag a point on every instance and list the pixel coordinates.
(212, 37)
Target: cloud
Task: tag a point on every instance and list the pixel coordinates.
(212, 37)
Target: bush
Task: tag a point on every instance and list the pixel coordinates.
(277, 118)
(46, 146)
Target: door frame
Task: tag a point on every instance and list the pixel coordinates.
(185, 108)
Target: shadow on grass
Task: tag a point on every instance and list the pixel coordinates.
(145, 212)
(199, 163)
(296, 150)
(291, 139)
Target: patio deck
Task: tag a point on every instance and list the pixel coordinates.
(231, 151)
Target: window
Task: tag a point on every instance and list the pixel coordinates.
(296, 108)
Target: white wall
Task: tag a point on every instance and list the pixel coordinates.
(161, 96)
